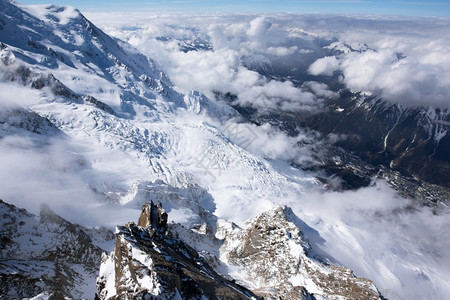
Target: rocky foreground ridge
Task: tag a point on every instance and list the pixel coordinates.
(150, 259)
(147, 261)
(47, 254)
(48, 257)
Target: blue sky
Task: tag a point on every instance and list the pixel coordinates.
(405, 7)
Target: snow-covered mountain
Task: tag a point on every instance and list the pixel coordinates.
(95, 129)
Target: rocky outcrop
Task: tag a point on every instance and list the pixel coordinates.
(153, 217)
(147, 262)
(275, 258)
(46, 253)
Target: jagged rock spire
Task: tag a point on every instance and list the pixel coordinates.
(154, 216)
(144, 265)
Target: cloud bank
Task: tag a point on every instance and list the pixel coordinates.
(230, 55)
(407, 80)
(373, 232)
(403, 60)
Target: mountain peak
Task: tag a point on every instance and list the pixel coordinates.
(154, 217)
(273, 255)
(145, 265)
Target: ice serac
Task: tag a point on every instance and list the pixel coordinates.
(148, 261)
(275, 258)
(46, 254)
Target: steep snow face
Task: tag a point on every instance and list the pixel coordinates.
(82, 56)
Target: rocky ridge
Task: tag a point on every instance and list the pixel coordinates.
(272, 255)
(47, 254)
(148, 262)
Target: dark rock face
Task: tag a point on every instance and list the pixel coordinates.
(73, 244)
(45, 253)
(148, 263)
(153, 216)
(99, 104)
(414, 141)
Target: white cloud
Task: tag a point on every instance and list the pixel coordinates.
(16, 96)
(373, 232)
(274, 144)
(32, 173)
(305, 51)
(324, 66)
(405, 61)
(405, 80)
(258, 27)
(221, 70)
(276, 95)
(282, 51)
(321, 90)
(218, 37)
